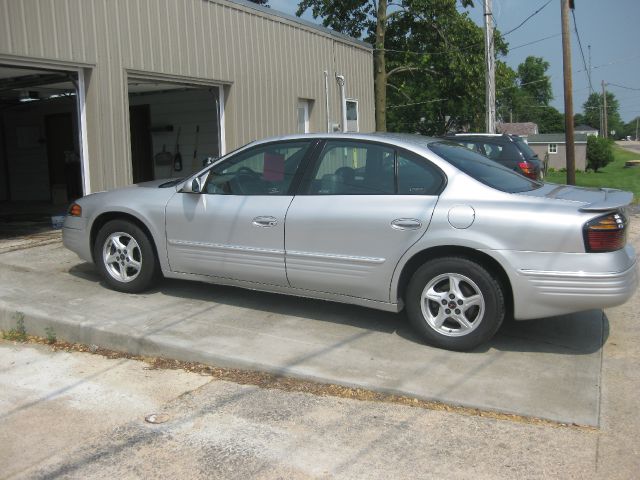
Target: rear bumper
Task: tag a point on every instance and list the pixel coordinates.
(596, 281)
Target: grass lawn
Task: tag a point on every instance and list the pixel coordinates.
(613, 175)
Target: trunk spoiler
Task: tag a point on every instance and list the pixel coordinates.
(613, 200)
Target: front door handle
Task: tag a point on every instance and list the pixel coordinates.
(265, 221)
(406, 224)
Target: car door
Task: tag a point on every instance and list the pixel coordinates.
(234, 228)
(360, 207)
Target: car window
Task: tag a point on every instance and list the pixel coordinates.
(353, 168)
(416, 176)
(525, 149)
(486, 171)
(263, 170)
(492, 150)
(476, 147)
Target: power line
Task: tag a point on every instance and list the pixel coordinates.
(584, 62)
(533, 42)
(523, 84)
(418, 103)
(622, 86)
(622, 60)
(478, 44)
(468, 47)
(527, 19)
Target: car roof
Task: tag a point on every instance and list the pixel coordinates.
(484, 136)
(399, 139)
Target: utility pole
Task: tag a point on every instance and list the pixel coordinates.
(601, 124)
(568, 92)
(637, 118)
(605, 123)
(590, 84)
(490, 65)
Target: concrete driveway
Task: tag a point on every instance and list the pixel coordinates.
(545, 368)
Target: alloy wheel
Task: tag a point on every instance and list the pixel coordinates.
(122, 257)
(452, 304)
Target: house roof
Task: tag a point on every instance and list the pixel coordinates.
(585, 128)
(556, 138)
(523, 129)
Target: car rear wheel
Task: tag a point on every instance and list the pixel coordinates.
(125, 257)
(455, 303)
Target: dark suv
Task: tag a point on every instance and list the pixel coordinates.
(508, 150)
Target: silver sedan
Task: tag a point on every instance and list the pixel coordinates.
(384, 221)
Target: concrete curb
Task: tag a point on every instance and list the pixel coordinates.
(545, 369)
(85, 333)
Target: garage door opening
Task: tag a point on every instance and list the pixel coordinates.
(40, 155)
(175, 128)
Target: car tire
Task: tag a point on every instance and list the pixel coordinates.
(455, 303)
(125, 257)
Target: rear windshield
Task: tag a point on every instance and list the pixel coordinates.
(526, 149)
(482, 169)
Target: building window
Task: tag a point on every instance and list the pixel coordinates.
(352, 116)
(553, 148)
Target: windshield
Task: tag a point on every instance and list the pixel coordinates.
(482, 169)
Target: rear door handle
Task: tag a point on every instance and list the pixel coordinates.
(265, 221)
(406, 224)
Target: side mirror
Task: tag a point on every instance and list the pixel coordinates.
(192, 187)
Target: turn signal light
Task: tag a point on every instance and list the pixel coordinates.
(75, 210)
(606, 234)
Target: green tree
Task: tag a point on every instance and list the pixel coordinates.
(631, 129)
(549, 120)
(592, 110)
(261, 2)
(599, 152)
(445, 90)
(527, 99)
(534, 81)
(371, 19)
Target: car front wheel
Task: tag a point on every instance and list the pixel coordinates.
(455, 303)
(125, 257)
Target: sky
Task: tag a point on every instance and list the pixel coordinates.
(611, 27)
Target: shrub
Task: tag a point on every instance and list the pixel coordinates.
(18, 334)
(599, 152)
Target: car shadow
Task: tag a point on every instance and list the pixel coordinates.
(577, 334)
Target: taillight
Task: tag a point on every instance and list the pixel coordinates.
(75, 210)
(606, 234)
(528, 169)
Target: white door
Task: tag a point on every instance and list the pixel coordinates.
(303, 116)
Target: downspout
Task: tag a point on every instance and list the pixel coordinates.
(326, 99)
(343, 102)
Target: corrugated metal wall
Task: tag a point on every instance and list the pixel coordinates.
(267, 61)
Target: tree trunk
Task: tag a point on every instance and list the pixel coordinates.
(380, 69)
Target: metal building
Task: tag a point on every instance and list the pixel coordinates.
(96, 94)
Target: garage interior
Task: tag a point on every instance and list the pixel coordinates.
(174, 129)
(39, 147)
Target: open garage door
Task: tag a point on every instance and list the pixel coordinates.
(40, 156)
(175, 127)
